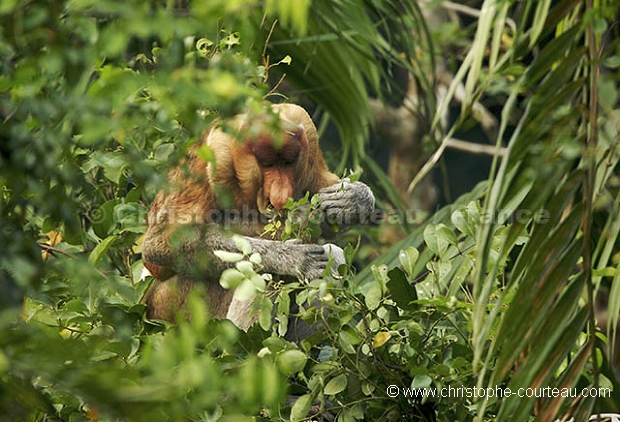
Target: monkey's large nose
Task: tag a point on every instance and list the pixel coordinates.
(278, 202)
(279, 188)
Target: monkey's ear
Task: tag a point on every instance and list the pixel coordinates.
(297, 133)
(296, 116)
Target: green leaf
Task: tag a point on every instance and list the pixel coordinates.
(300, 409)
(259, 282)
(435, 241)
(228, 256)
(350, 335)
(112, 163)
(336, 385)
(231, 278)
(163, 152)
(463, 222)
(552, 52)
(446, 234)
(421, 381)
(347, 339)
(606, 272)
(540, 16)
(291, 361)
(76, 305)
(246, 268)
(401, 292)
(275, 344)
(131, 217)
(612, 62)
(243, 244)
(272, 386)
(103, 218)
(380, 273)
(373, 296)
(286, 60)
(100, 250)
(245, 291)
(408, 258)
(204, 45)
(120, 348)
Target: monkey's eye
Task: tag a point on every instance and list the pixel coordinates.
(289, 161)
(290, 153)
(265, 155)
(265, 161)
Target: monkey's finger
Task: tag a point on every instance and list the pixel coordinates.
(333, 204)
(336, 188)
(339, 185)
(336, 253)
(313, 250)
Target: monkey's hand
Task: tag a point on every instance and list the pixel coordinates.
(336, 255)
(346, 204)
(296, 259)
(310, 261)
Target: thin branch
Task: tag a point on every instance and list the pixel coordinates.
(455, 144)
(51, 250)
(427, 166)
(470, 11)
(461, 8)
(474, 148)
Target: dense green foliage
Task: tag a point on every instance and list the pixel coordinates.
(99, 99)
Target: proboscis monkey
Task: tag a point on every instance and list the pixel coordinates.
(257, 165)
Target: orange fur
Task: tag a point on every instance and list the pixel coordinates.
(236, 180)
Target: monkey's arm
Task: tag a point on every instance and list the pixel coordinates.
(346, 204)
(188, 250)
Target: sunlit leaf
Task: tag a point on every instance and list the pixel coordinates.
(380, 339)
(300, 409)
(231, 278)
(291, 361)
(228, 256)
(100, 250)
(336, 385)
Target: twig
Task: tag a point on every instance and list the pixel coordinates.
(470, 11)
(50, 249)
(474, 148)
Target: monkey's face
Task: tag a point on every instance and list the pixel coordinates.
(265, 160)
(278, 161)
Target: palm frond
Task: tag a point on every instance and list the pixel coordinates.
(350, 50)
(536, 327)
